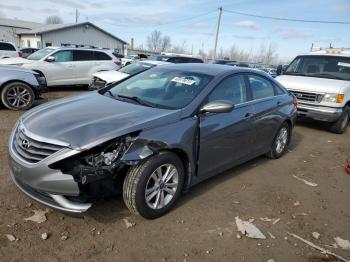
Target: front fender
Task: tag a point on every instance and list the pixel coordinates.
(180, 137)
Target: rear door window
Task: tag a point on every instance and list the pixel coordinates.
(83, 55)
(101, 56)
(260, 87)
(7, 47)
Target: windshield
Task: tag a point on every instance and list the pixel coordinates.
(40, 54)
(135, 68)
(163, 88)
(333, 67)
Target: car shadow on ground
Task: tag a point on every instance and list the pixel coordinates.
(113, 209)
(313, 124)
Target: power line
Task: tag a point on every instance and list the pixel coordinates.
(288, 19)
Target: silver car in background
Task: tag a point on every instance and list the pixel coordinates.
(19, 87)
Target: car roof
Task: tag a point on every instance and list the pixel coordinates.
(78, 48)
(208, 69)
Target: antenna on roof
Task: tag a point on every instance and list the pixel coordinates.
(76, 15)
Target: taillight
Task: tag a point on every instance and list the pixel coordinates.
(118, 62)
(20, 53)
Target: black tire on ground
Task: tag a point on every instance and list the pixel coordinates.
(274, 153)
(340, 126)
(8, 96)
(136, 181)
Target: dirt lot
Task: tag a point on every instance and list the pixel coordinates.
(202, 226)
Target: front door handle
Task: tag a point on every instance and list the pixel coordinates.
(248, 115)
(278, 103)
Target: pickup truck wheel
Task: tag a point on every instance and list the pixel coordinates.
(151, 188)
(280, 142)
(340, 126)
(17, 96)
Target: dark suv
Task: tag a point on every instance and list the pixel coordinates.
(175, 59)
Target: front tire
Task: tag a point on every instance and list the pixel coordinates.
(17, 96)
(151, 188)
(280, 142)
(340, 126)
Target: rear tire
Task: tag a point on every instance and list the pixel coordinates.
(340, 126)
(280, 143)
(148, 190)
(17, 96)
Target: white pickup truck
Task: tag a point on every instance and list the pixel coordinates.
(320, 81)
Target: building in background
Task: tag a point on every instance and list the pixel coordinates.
(29, 34)
(9, 29)
(85, 34)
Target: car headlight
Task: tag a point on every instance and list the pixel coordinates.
(333, 98)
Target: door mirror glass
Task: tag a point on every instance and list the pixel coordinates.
(219, 106)
(50, 59)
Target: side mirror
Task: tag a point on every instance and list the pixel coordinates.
(50, 59)
(279, 70)
(219, 106)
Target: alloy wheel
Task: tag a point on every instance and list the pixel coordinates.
(282, 139)
(161, 186)
(18, 96)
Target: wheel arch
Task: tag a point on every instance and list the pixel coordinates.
(186, 163)
(17, 80)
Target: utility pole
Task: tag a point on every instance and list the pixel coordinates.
(217, 32)
(76, 15)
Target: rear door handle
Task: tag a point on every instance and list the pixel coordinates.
(248, 115)
(278, 103)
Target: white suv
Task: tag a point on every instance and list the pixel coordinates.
(321, 82)
(8, 49)
(66, 65)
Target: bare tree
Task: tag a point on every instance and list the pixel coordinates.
(157, 43)
(53, 19)
(166, 43)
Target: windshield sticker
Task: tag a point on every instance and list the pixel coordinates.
(343, 64)
(182, 80)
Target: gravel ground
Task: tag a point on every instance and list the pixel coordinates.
(202, 226)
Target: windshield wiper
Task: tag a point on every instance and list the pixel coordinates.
(111, 94)
(137, 99)
(328, 76)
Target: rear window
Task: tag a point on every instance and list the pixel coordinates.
(102, 56)
(7, 47)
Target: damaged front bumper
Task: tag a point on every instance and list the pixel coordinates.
(58, 202)
(37, 180)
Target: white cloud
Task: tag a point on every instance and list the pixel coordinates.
(291, 33)
(341, 8)
(248, 24)
(199, 26)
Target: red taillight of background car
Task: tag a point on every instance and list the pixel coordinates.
(20, 53)
(118, 62)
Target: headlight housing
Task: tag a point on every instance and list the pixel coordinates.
(333, 98)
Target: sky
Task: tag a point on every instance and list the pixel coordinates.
(193, 23)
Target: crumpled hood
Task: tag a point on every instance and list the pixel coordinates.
(91, 119)
(15, 61)
(110, 76)
(312, 84)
